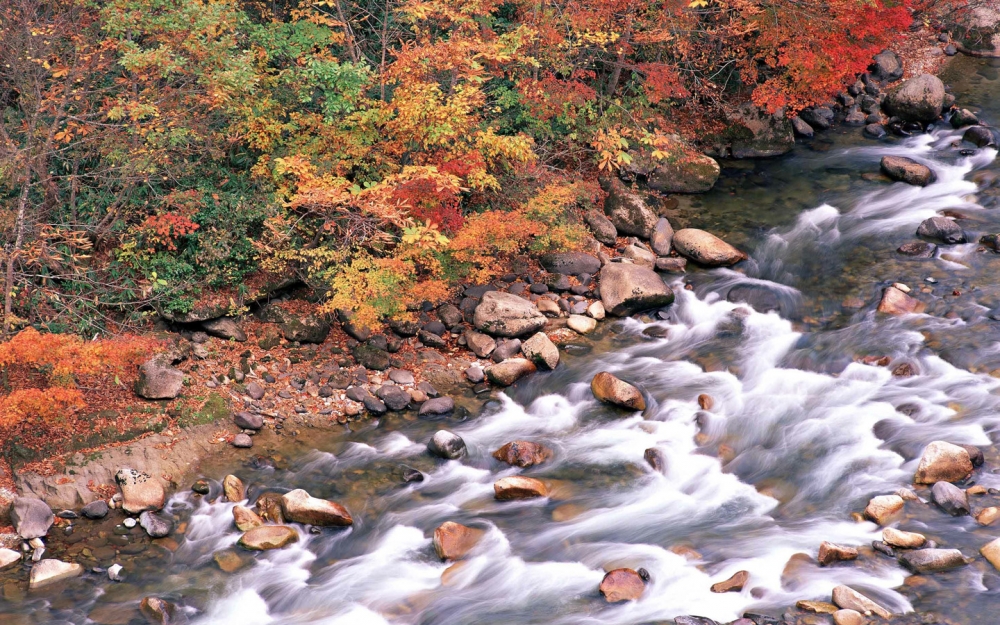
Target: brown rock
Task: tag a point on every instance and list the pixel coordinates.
(140, 491)
(269, 507)
(905, 540)
(733, 584)
(988, 516)
(816, 607)
(656, 459)
(453, 540)
(943, 462)
(848, 617)
(157, 611)
(896, 302)
(233, 488)
(622, 585)
(540, 350)
(991, 551)
(705, 248)
(519, 487)
(229, 561)
(907, 170)
(705, 402)
(509, 371)
(523, 453)
(881, 509)
(849, 599)
(611, 390)
(830, 553)
(246, 519)
(299, 507)
(268, 537)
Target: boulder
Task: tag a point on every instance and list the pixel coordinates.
(519, 487)
(874, 131)
(155, 525)
(639, 255)
(248, 420)
(158, 380)
(941, 229)
(371, 357)
(903, 540)
(571, 263)
(581, 324)
(979, 136)
(482, 345)
(896, 302)
(156, 611)
(881, 509)
(95, 509)
(596, 311)
(918, 99)
(233, 488)
(943, 461)
(509, 371)
(140, 491)
(622, 585)
(610, 390)
(950, 498)
(830, 553)
(820, 117)
(452, 541)
(523, 454)
(47, 572)
(300, 507)
(31, 517)
(450, 315)
(436, 407)
(990, 551)
(268, 537)
(801, 128)
(394, 397)
(963, 117)
(848, 617)
(225, 328)
(246, 519)
(8, 558)
(601, 227)
(307, 329)
(680, 169)
(847, 598)
(447, 445)
(540, 350)
(507, 348)
(627, 289)
(887, 66)
(705, 248)
(671, 265)
(753, 133)
(627, 210)
(932, 560)
(505, 314)
(661, 239)
(733, 584)
(907, 170)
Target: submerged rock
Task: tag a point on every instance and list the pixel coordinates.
(907, 170)
(8, 558)
(628, 289)
(268, 537)
(453, 541)
(610, 390)
(157, 611)
(505, 314)
(980, 136)
(918, 249)
(942, 461)
(47, 572)
(622, 585)
(830, 553)
(705, 248)
(896, 302)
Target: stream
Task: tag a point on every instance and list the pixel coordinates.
(801, 433)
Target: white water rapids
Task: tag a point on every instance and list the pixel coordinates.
(801, 457)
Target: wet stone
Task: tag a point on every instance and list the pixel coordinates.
(950, 498)
(733, 584)
(96, 509)
(656, 459)
(622, 585)
(519, 487)
(932, 560)
(447, 445)
(242, 441)
(830, 553)
(918, 249)
(523, 453)
(452, 541)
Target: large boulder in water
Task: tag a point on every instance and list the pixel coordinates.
(627, 289)
(907, 170)
(506, 314)
(941, 229)
(918, 99)
(627, 210)
(609, 389)
(705, 248)
(945, 462)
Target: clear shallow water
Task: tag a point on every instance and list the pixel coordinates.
(801, 434)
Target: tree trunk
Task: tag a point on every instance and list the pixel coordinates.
(22, 208)
(616, 73)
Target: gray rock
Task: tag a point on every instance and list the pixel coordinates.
(602, 228)
(855, 117)
(875, 131)
(374, 405)
(627, 289)
(758, 134)
(660, 241)
(248, 420)
(482, 345)
(932, 560)
(437, 406)
(907, 170)
(155, 525)
(371, 357)
(819, 118)
(401, 376)
(941, 229)
(887, 66)
(450, 315)
(950, 498)
(31, 517)
(475, 374)
(694, 620)
(918, 99)
(431, 339)
(639, 255)
(394, 397)
(255, 391)
(671, 265)
(571, 263)
(307, 329)
(802, 128)
(980, 136)
(446, 445)
(225, 328)
(158, 380)
(963, 117)
(683, 170)
(627, 210)
(540, 350)
(705, 248)
(918, 249)
(95, 509)
(242, 441)
(503, 314)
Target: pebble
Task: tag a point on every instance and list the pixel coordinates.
(130, 522)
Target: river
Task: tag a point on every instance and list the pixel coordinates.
(800, 435)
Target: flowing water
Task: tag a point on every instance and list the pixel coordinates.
(801, 434)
